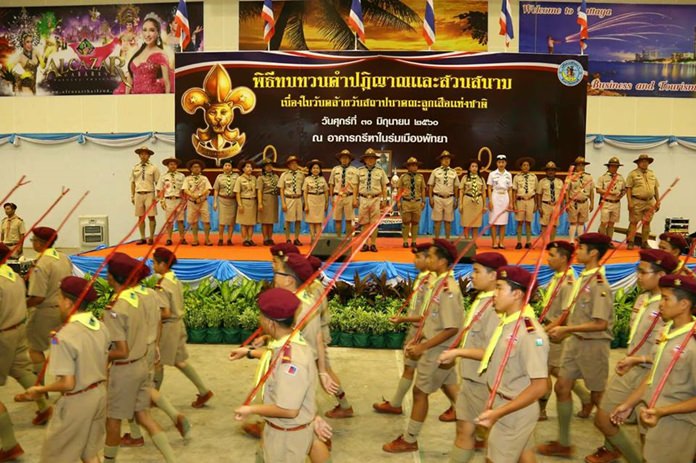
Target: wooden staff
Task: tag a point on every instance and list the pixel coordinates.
(20, 183)
(663, 380)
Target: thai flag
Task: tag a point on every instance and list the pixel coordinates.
(429, 23)
(505, 21)
(269, 20)
(355, 19)
(181, 20)
(582, 20)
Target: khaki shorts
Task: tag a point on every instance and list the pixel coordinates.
(524, 210)
(343, 207)
(294, 212)
(171, 204)
(142, 202)
(443, 209)
(545, 214)
(620, 387)
(227, 209)
(471, 400)
(14, 361)
(587, 359)
(579, 212)
(555, 351)
(369, 210)
(40, 324)
(196, 212)
(286, 446)
(430, 375)
(512, 434)
(671, 440)
(411, 211)
(173, 343)
(611, 212)
(641, 210)
(128, 390)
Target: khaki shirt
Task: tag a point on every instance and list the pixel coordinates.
(443, 181)
(412, 185)
(245, 187)
(224, 184)
(421, 285)
(315, 185)
(312, 327)
(525, 185)
(171, 183)
(12, 229)
(445, 310)
(580, 187)
(291, 182)
(651, 315)
(171, 295)
(342, 179)
(642, 184)
(473, 186)
(196, 185)
(82, 352)
(145, 176)
(595, 301)
(377, 181)
(544, 189)
(150, 303)
(46, 276)
(563, 294)
(268, 184)
(126, 321)
(478, 337)
(13, 298)
(617, 190)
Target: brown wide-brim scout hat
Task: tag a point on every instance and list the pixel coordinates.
(193, 162)
(528, 159)
(311, 163)
(581, 160)
(445, 154)
(345, 153)
(412, 160)
(144, 149)
(265, 162)
(644, 157)
(290, 159)
(165, 162)
(550, 166)
(369, 153)
(613, 162)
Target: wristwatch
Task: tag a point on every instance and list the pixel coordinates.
(249, 351)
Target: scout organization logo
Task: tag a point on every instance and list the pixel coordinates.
(570, 73)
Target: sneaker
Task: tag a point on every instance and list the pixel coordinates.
(399, 445)
(387, 408)
(253, 429)
(555, 449)
(603, 455)
(448, 416)
(11, 454)
(337, 412)
(128, 441)
(585, 412)
(183, 426)
(42, 416)
(201, 399)
(518, 246)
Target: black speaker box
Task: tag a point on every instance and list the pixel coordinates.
(467, 258)
(327, 246)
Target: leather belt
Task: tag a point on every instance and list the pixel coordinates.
(293, 196)
(612, 201)
(580, 201)
(144, 192)
(369, 196)
(128, 362)
(88, 388)
(642, 199)
(520, 198)
(443, 196)
(548, 202)
(501, 395)
(296, 428)
(172, 197)
(13, 327)
(251, 197)
(412, 200)
(472, 196)
(225, 196)
(316, 194)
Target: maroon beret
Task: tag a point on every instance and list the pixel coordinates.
(165, 255)
(315, 262)
(493, 260)
(75, 286)
(679, 281)
(300, 266)
(278, 303)
(567, 245)
(421, 247)
(446, 246)
(4, 250)
(122, 265)
(515, 274)
(662, 259)
(283, 249)
(594, 238)
(45, 233)
(677, 240)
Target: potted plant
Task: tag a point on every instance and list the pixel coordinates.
(335, 309)
(361, 322)
(195, 320)
(231, 332)
(344, 323)
(379, 326)
(248, 321)
(214, 314)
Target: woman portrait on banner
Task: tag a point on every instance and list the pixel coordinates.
(149, 69)
(25, 63)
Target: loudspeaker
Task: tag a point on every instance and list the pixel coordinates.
(327, 245)
(467, 258)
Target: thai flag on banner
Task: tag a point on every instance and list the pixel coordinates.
(269, 20)
(505, 21)
(582, 20)
(429, 23)
(355, 19)
(181, 20)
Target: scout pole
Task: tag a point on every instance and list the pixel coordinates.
(20, 183)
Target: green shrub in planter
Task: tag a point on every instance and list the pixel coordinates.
(345, 340)
(248, 321)
(394, 340)
(231, 332)
(361, 340)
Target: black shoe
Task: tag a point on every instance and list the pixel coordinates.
(405, 244)
(150, 241)
(365, 248)
(251, 243)
(528, 246)
(288, 242)
(183, 241)
(297, 242)
(229, 243)
(413, 245)
(169, 243)
(220, 242)
(246, 243)
(518, 246)
(140, 242)
(373, 248)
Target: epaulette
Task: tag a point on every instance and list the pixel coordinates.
(529, 325)
(600, 278)
(286, 355)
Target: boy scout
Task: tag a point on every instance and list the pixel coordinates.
(343, 186)
(291, 197)
(372, 188)
(586, 352)
(580, 198)
(675, 244)
(672, 421)
(169, 190)
(442, 192)
(611, 199)
(548, 192)
(143, 179)
(267, 191)
(412, 203)
(12, 229)
(443, 317)
(79, 354)
(316, 198)
(247, 202)
(643, 199)
(524, 380)
(524, 187)
(225, 202)
(480, 323)
(632, 369)
(197, 188)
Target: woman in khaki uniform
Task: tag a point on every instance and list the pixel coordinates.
(245, 189)
(316, 198)
(472, 200)
(267, 191)
(291, 182)
(225, 202)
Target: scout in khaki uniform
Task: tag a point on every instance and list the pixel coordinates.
(646, 326)
(443, 319)
(675, 244)
(480, 323)
(524, 187)
(580, 198)
(671, 423)
(500, 201)
(548, 193)
(412, 203)
(267, 192)
(128, 388)
(316, 198)
(586, 352)
(611, 200)
(442, 192)
(143, 179)
(524, 380)
(79, 354)
(472, 201)
(343, 183)
(197, 188)
(372, 189)
(247, 202)
(291, 182)
(643, 196)
(12, 229)
(169, 191)
(225, 202)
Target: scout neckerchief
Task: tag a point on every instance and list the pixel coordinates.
(228, 185)
(143, 167)
(343, 175)
(172, 182)
(293, 182)
(555, 280)
(270, 178)
(316, 183)
(170, 276)
(446, 171)
(473, 312)
(369, 179)
(647, 300)
(474, 185)
(526, 183)
(429, 297)
(130, 296)
(552, 189)
(421, 283)
(506, 320)
(580, 283)
(86, 319)
(140, 289)
(413, 185)
(662, 342)
(51, 252)
(265, 361)
(7, 272)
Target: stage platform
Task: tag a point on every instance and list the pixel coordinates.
(227, 262)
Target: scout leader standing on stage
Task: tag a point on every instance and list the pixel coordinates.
(610, 200)
(524, 187)
(443, 184)
(580, 198)
(646, 326)
(671, 423)
(225, 202)
(372, 188)
(291, 197)
(12, 229)
(247, 202)
(267, 192)
(169, 191)
(675, 244)
(500, 201)
(316, 198)
(643, 199)
(548, 193)
(472, 201)
(412, 203)
(143, 179)
(343, 183)
(197, 188)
